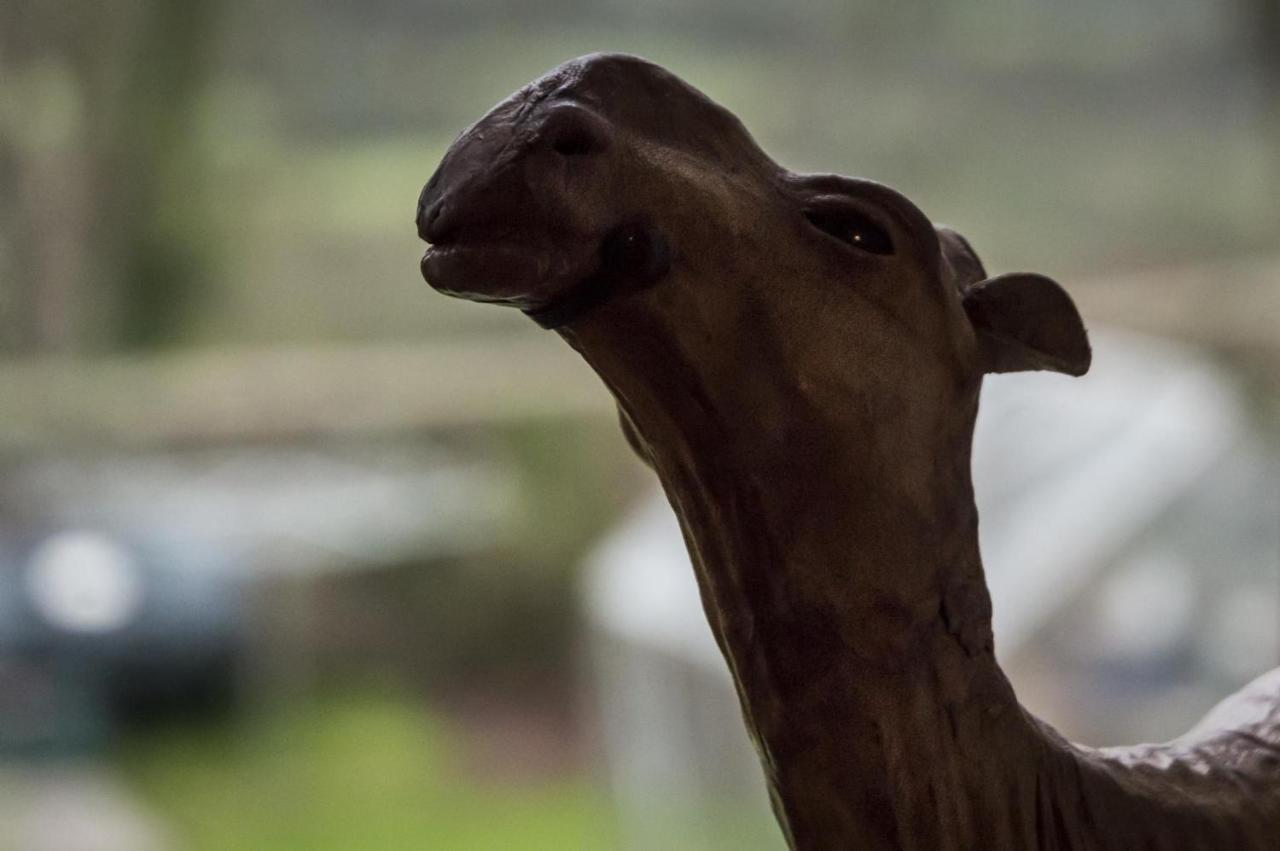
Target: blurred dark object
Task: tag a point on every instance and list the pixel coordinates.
(150, 585)
(102, 629)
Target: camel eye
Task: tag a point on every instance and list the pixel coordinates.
(852, 228)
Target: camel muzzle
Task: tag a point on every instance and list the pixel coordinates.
(505, 223)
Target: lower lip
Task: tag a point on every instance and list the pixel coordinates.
(443, 258)
(524, 272)
(431, 260)
(446, 266)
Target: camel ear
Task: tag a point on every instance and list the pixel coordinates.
(1027, 321)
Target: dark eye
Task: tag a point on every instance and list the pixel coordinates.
(855, 229)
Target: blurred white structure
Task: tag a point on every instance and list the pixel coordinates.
(75, 807)
(1130, 541)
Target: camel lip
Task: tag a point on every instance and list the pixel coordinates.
(449, 234)
(526, 271)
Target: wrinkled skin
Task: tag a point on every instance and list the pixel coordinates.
(799, 359)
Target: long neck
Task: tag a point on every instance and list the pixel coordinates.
(842, 580)
(856, 621)
(839, 569)
(853, 612)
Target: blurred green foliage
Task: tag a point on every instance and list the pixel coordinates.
(165, 242)
(374, 772)
(353, 772)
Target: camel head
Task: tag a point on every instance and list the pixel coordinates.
(613, 201)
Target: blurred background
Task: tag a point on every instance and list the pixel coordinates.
(296, 554)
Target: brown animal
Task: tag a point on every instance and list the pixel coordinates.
(799, 358)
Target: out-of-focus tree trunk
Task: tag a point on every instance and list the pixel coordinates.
(154, 168)
(44, 229)
(1262, 24)
(104, 236)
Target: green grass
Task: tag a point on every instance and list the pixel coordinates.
(347, 774)
(373, 773)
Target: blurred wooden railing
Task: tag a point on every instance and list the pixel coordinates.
(236, 394)
(1232, 304)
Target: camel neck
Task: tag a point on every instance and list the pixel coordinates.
(837, 559)
(856, 622)
(874, 703)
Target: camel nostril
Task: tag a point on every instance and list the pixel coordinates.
(577, 143)
(572, 131)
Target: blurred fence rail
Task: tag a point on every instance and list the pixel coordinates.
(233, 394)
(1231, 304)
